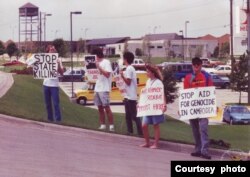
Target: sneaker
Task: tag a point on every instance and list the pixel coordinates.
(102, 127)
(111, 128)
(196, 154)
(206, 156)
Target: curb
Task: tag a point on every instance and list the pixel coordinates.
(98, 135)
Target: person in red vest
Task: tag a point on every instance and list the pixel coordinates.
(199, 126)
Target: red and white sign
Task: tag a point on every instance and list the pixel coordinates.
(92, 71)
(151, 101)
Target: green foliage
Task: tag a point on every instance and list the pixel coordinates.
(238, 77)
(11, 49)
(225, 49)
(2, 48)
(170, 86)
(138, 52)
(216, 52)
(61, 47)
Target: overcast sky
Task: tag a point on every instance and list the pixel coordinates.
(119, 18)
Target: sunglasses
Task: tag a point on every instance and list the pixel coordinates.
(196, 64)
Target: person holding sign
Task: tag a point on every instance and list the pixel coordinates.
(200, 125)
(51, 91)
(156, 102)
(130, 98)
(103, 88)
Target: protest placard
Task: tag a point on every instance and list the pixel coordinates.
(45, 65)
(119, 82)
(92, 71)
(197, 103)
(151, 101)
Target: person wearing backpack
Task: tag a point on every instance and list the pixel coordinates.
(199, 126)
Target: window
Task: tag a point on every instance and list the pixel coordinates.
(151, 47)
(159, 47)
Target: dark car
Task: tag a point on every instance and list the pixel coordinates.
(236, 114)
(220, 81)
(76, 74)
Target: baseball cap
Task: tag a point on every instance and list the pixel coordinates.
(196, 60)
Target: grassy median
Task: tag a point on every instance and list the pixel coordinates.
(25, 100)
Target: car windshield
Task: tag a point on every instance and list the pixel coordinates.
(239, 110)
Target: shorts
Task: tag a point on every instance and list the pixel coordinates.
(101, 99)
(157, 119)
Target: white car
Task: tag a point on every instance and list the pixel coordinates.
(220, 70)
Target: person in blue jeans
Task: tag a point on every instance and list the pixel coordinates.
(51, 92)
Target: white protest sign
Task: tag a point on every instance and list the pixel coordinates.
(151, 101)
(120, 84)
(92, 71)
(45, 65)
(197, 103)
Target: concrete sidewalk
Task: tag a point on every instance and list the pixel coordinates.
(30, 148)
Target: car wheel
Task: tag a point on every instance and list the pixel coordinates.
(231, 121)
(82, 101)
(226, 86)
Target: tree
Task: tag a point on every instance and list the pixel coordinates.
(2, 48)
(61, 47)
(216, 52)
(11, 49)
(138, 52)
(170, 87)
(238, 77)
(225, 49)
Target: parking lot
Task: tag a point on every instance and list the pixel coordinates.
(223, 96)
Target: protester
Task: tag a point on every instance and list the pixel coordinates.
(155, 80)
(200, 125)
(130, 98)
(51, 91)
(102, 89)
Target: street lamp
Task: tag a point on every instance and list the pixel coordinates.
(181, 31)
(44, 24)
(85, 38)
(186, 22)
(71, 49)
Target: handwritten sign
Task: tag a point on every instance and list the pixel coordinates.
(92, 71)
(119, 82)
(197, 103)
(45, 65)
(151, 101)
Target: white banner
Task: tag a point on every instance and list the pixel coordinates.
(92, 71)
(45, 65)
(119, 82)
(197, 103)
(151, 101)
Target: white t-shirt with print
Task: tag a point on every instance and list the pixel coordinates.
(154, 83)
(103, 84)
(131, 90)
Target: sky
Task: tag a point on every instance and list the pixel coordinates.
(122, 18)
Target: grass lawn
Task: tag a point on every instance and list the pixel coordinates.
(25, 99)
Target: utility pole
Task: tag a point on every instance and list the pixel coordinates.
(248, 47)
(231, 34)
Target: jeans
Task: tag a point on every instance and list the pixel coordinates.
(51, 95)
(130, 109)
(200, 133)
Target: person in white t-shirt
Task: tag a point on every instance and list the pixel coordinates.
(51, 92)
(130, 98)
(155, 79)
(102, 89)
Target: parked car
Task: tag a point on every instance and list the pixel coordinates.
(77, 74)
(138, 64)
(215, 62)
(220, 81)
(220, 70)
(236, 114)
(205, 62)
(86, 94)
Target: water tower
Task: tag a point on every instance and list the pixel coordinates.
(28, 26)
